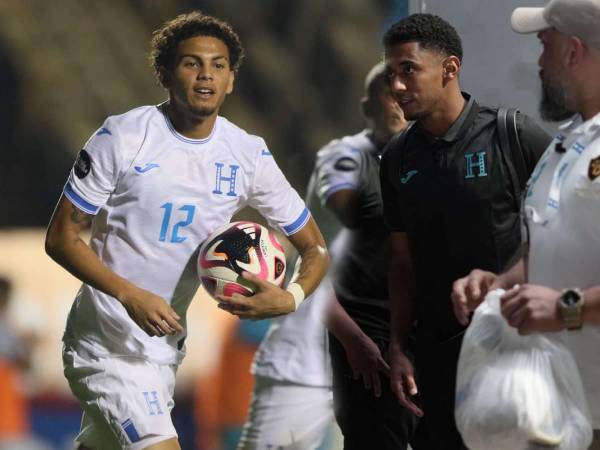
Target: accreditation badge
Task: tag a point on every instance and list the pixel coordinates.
(594, 168)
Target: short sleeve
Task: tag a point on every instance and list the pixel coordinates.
(274, 198)
(95, 172)
(390, 195)
(337, 168)
(534, 140)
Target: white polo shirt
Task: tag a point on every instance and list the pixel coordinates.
(562, 211)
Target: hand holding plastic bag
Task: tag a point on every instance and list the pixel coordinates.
(517, 392)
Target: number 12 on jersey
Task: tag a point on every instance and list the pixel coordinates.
(188, 215)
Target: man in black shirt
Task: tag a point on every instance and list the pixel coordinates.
(451, 204)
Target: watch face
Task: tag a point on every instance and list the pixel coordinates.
(570, 307)
(570, 298)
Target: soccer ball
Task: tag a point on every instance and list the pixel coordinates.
(238, 247)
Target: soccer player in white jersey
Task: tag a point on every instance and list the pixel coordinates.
(154, 183)
(555, 288)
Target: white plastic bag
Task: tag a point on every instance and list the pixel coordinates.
(517, 392)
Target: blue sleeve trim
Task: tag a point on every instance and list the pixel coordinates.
(337, 187)
(131, 431)
(298, 223)
(78, 201)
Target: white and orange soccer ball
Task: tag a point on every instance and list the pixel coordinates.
(235, 248)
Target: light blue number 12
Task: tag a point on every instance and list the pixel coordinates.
(175, 238)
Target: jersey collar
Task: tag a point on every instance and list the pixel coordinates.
(460, 125)
(179, 136)
(462, 122)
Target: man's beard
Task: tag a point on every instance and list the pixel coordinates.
(415, 116)
(553, 105)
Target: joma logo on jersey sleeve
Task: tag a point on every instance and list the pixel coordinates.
(475, 161)
(225, 182)
(102, 131)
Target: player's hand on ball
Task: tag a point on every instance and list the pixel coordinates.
(268, 300)
(366, 362)
(402, 379)
(152, 313)
(468, 292)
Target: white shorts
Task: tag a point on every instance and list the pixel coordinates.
(287, 416)
(126, 402)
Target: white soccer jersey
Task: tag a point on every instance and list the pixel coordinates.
(562, 210)
(295, 347)
(339, 164)
(157, 195)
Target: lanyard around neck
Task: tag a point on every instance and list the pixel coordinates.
(572, 153)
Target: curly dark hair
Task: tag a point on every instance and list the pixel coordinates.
(166, 39)
(429, 30)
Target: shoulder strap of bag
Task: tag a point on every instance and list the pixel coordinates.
(511, 149)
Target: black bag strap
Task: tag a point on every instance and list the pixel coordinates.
(512, 152)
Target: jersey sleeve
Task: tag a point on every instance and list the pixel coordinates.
(337, 168)
(390, 195)
(95, 172)
(274, 198)
(534, 140)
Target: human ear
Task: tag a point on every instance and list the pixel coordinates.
(367, 107)
(231, 80)
(575, 51)
(164, 76)
(451, 67)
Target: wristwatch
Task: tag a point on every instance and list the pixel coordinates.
(570, 307)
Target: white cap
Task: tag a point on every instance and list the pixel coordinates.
(579, 18)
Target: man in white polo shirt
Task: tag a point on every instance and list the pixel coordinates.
(559, 275)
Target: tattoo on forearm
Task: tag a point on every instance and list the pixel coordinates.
(79, 217)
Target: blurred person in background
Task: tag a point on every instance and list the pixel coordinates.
(291, 405)
(15, 358)
(222, 396)
(358, 317)
(154, 183)
(14, 421)
(451, 206)
(557, 284)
